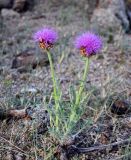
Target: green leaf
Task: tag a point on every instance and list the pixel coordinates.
(72, 93)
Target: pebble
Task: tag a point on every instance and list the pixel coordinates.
(7, 13)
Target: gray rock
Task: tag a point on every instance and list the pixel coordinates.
(110, 17)
(40, 119)
(31, 90)
(119, 9)
(26, 60)
(9, 13)
(6, 3)
(104, 22)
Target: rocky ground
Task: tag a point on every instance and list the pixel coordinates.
(26, 82)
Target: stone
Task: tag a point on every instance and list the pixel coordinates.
(110, 17)
(6, 3)
(31, 90)
(9, 13)
(29, 60)
(104, 22)
(41, 119)
(119, 9)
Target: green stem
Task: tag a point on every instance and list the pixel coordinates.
(54, 89)
(83, 81)
(52, 75)
(73, 115)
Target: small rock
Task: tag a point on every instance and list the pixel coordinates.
(119, 107)
(29, 90)
(23, 59)
(7, 13)
(29, 60)
(40, 119)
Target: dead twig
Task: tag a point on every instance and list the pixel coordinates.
(14, 113)
(97, 148)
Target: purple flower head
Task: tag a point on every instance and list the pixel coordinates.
(46, 37)
(88, 43)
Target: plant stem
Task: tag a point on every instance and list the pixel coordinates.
(52, 75)
(55, 95)
(82, 82)
(73, 115)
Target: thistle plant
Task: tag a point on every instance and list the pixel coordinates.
(89, 44)
(46, 38)
(64, 119)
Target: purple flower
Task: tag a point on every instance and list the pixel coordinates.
(88, 43)
(46, 37)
